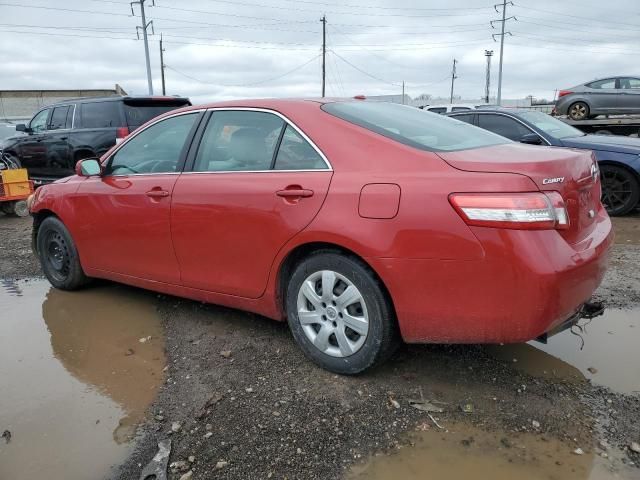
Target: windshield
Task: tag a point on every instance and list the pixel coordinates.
(551, 126)
(414, 127)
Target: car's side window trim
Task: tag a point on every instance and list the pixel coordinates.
(184, 154)
(278, 143)
(478, 114)
(287, 122)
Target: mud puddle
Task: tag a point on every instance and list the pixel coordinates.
(610, 357)
(462, 451)
(75, 378)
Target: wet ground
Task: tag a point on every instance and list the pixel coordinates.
(75, 379)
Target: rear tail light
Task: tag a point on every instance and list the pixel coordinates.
(521, 211)
(121, 133)
(562, 93)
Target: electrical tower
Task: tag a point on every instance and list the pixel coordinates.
(324, 50)
(144, 27)
(453, 78)
(488, 54)
(164, 91)
(502, 33)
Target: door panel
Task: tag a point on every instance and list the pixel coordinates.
(124, 229)
(630, 94)
(228, 227)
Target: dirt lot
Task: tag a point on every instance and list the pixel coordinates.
(249, 405)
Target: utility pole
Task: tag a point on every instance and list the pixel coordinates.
(324, 50)
(453, 78)
(144, 27)
(164, 91)
(501, 35)
(403, 92)
(488, 54)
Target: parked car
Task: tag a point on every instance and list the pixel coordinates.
(452, 107)
(359, 222)
(610, 96)
(61, 134)
(618, 157)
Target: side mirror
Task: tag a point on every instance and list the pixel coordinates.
(531, 138)
(21, 127)
(89, 167)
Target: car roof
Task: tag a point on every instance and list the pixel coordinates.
(118, 98)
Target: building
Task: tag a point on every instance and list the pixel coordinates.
(20, 105)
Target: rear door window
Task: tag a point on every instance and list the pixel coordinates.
(238, 141)
(295, 153)
(600, 84)
(100, 114)
(460, 109)
(438, 109)
(59, 118)
(503, 125)
(468, 118)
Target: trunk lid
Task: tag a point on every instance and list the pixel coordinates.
(572, 173)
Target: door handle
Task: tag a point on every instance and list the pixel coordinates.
(157, 193)
(295, 193)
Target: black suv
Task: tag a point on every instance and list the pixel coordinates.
(61, 134)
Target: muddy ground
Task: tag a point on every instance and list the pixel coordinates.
(249, 405)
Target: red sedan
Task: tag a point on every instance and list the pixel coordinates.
(359, 222)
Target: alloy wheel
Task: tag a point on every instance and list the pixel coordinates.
(578, 111)
(332, 313)
(616, 189)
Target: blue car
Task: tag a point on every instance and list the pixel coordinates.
(618, 157)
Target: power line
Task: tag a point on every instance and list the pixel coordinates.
(250, 84)
(355, 67)
(551, 12)
(582, 50)
(74, 10)
(359, 14)
(376, 7)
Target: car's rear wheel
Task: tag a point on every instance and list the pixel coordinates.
(59, 256)
(620, 189)
(578, 111)
(339, 313)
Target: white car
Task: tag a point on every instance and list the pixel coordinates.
(453, 107)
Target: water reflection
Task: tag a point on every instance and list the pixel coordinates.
(74, 377)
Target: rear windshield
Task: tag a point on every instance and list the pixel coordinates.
(551, 126)
(139, 113)
(414, 127)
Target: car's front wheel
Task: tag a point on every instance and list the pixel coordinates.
(579, 111)
(339, 313)
(59, 256)
(620, 189)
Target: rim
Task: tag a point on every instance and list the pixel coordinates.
(578, 110)
(616, 189)
(333, 313)
(56, 254)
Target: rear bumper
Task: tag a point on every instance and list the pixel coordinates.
(527, 284)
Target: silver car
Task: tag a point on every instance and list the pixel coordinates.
(610, 96)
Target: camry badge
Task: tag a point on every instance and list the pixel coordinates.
(548, 181)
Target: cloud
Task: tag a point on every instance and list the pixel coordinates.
(222, 49)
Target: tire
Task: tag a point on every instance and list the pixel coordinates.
(8, 208)
(59, 256)
(375, 334)
(578, 111)
(620, 189)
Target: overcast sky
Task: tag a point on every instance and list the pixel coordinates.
(219, 49)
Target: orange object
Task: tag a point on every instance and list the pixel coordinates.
(15, 185)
